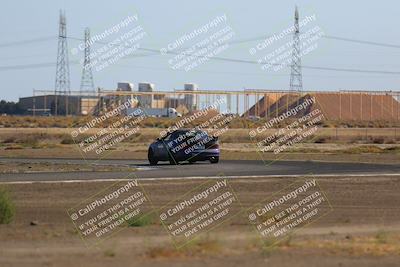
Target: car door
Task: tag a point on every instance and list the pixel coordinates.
(162, 148)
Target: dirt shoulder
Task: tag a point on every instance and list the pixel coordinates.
(69, 151)
(38, 167)
(362, 230)
(371, 145)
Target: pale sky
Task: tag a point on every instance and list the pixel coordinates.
(23, 59)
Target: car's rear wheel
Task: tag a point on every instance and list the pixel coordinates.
(152, 159)
(214, 160)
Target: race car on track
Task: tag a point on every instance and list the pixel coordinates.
(184, 145)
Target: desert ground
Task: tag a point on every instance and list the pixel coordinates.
(363, 228)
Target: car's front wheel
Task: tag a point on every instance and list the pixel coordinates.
(152, 159)
(214, 160)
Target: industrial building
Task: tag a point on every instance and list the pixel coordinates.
(341, 105)
(84, 103)
(52, 104)
(165, 101)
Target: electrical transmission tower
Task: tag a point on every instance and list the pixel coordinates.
(296, 80)
(62, 70)
(87, 83)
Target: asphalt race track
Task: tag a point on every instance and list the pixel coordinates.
(230, 168)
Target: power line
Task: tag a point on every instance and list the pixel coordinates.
(49, 64)
(52, 64)
(286, 65)
(157, 52)
(263, 37)
(27, 66)
(233, 60)
(360, 41)
(244, 40)
(29, 41)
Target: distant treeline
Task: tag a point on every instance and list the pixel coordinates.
(10, 108)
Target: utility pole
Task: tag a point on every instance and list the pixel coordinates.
(87, 83)
(62, 85)
(296, 80)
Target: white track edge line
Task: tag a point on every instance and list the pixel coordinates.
(202, 178)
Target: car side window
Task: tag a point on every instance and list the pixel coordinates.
(174, 136)
(180, 137)
(167, 138)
